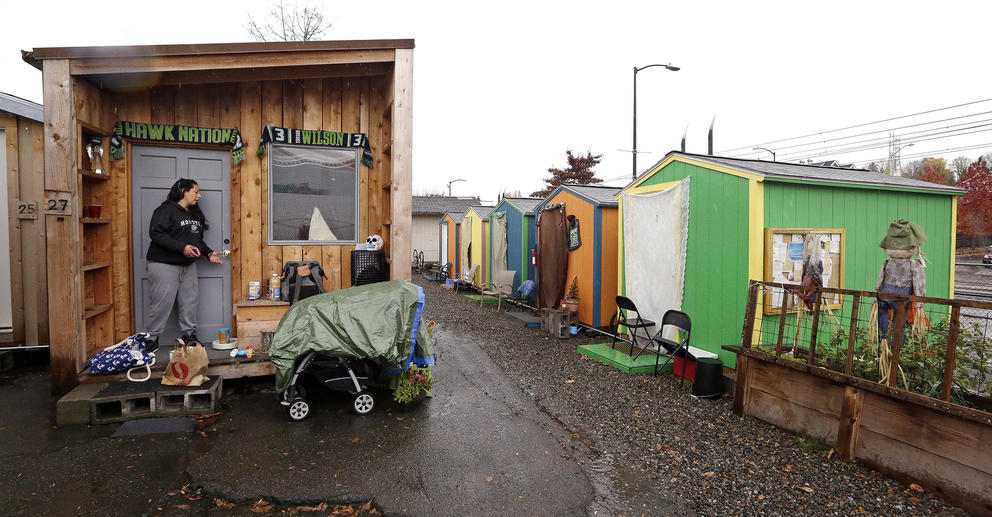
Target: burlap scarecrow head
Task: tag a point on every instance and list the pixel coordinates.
(903, 234)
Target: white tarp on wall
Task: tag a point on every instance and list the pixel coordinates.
(655, 232)
(466, 238)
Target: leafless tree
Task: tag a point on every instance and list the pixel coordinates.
(289, 22)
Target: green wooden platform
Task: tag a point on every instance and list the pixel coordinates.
(475, 298)
(620, 360)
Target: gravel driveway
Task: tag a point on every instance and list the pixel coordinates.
(647, 446)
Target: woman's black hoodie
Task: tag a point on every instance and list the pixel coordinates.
(171, 229)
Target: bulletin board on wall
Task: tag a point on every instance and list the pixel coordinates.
(784, 264)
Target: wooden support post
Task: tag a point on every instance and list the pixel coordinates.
(62, 231)
(952, 345)
(898, 328)
(752, 300)
(811, 356)
(779, 346)
(401, 196)
(852, 333)
(742, 387)
(849, 423)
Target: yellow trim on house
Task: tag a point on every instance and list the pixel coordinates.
(620, 237)
(954, 243)
(756, 240)
(651, 188)
(698, 163)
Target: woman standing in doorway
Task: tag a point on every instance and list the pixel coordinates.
(176, 232)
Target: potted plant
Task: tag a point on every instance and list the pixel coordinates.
(414, 385)
(571, 300)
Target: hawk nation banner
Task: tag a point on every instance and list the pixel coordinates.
(175, 133)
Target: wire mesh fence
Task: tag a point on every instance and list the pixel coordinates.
(900, 341)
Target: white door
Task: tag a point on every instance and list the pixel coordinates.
(153, 172)
(6, 312)
(443, 244)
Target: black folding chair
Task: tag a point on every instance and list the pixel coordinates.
(442, 272)
(681, 321)
(628, 316)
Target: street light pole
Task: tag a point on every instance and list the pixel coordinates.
(895, 153)
(449, 185)
(763, 149)
(634, 152)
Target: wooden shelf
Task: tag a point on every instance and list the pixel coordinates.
(91, 174)
(96, 265)
(95, 220)
(96, 310)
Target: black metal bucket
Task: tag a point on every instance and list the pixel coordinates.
(708, 382)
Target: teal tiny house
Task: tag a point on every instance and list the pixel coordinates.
(520, 236)
(730, 213)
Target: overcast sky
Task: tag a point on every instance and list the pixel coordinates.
(502, 89)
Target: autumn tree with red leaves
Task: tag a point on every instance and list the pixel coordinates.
(975, 207)
(579, 171)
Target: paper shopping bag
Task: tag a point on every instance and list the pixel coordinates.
(188, 366)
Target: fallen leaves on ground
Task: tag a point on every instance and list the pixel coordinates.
(489, 479)
(222, 503)
(916, 487)
(261, 506)
(293, 510)
(807, 489)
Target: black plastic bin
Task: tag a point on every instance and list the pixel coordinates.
(708, 381)
(368, 267)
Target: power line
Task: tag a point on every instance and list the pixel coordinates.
(856, 126)
(781, 148)
(870, 144)
(932, 153)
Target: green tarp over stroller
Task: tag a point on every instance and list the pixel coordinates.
(382, 321)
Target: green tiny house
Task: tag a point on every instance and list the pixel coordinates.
(731, 204)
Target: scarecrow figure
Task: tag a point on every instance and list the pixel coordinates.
(900, 274)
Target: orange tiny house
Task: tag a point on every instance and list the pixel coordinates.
(338, 93)
(449, 241)
(594, 261)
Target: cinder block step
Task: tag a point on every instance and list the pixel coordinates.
(74, 407)
(118, 408)
(121, 401)
(179, 400)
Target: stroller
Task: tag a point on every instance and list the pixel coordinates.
(336, 374)
(350, 340)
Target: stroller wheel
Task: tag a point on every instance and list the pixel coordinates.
(363, 403)
(299, 409)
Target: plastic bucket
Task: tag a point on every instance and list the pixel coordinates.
(708, 381)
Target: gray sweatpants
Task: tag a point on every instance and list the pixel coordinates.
(170, 284)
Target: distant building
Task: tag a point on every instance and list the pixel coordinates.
(427, 213)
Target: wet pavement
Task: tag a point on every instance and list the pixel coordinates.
(480, 447)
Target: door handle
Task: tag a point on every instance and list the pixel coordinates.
(227, 241)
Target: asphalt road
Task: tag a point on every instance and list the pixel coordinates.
(480, 447)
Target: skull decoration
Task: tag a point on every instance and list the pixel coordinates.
(373, 242)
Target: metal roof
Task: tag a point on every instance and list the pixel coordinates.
(526, 204)
(483, 210)
(600, 194)
(455, 216)
(431, 205)
(22, 107)
(800, 172)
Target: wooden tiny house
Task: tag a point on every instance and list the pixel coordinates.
(350, 87)
(520, 236)
(24, 308)
(449, 242)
